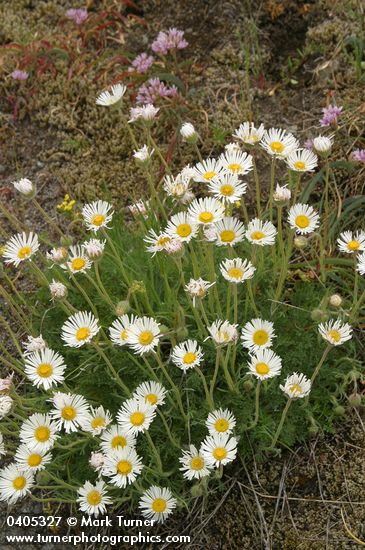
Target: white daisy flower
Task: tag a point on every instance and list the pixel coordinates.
(97, 420)
(350, 242)
(248, 133)
(57, 255)
(6, 404)
(207, 170)
(143, 155)
(361, 263)
(229, 232)
(264, 363)
(24, 186)
(302, 160)
(135, 415)
(223, 332)
(205, 211)
(197, 288)
(335, 332)
(237, 270)
(144, 112)
(157, 242)
(227, 187)
(39, 432)
(79, 329)
(296, 386)
(279, 142)
(282, 194)
(28, 459)
(181, 227)
(45, 368)
(187, 355)
(151, 392)
(261, 233)
(33, 343)
(176, 187)
(93, 499)
(218, 449)
(15, 483)
(303, 218)
(108, 98)
(193, 464)
(257, 334)
(94, 248)
(119, 329)
(122, 466)
(78, 260)
(114, 438)
(144, 335)
(70, 411)
(323, 144)
(236, 162)
(220, 421)
(97, 214)
(157, 503)
(20, 247)
(57, 290)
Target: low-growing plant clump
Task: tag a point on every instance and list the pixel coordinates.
(159, 349)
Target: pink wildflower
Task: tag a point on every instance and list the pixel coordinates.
(78, 15)
(359, 155)
(330, 115)
(155, 89)
(308, 144)
(172, 39)
(141, 63)
(19, 75)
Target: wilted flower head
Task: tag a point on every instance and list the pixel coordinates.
(223, 332)
(19, 75)
(78, 15)
(198, 288)
(172, 39)
(139, 207)
(174, 246)
(359, 155)
(94, 248)
(57, 255)
(248, 133)
(6, 403)
(24, 186)
(58, 290)
(141, 63)
(5, 383)
(330, 115)
(146, 113)
(143, 154)
(33, 344)
(282, 194)
(154, 90)
(97, 461)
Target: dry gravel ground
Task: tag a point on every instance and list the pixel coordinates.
(65, 144)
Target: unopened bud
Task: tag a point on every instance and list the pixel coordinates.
(188, 133)
(335, 300)
(248, 385)
(355, 400)
(197, 490)
(300, 242)
(122, 308)
(319, 315)
(339, 410)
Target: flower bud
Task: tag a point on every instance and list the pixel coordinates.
(319, 315)
(335, 300)
(137, 287)
(122, 308)
(248, 385)
(339, 410)
(355, 400)
(188, 133)
(300, 242)
(164, 329)
(197, 490)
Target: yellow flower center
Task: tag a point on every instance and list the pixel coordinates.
(78, 263)
(227, 236)
(220, 453)
(137, 418)
(262, 368)
(118, 441)
(183, 230)
(206, 217)
(353, 245)
(68, 413)
(83, 333)
(159, 505)
(124, 467)
(98, 422)
(151, 398)
(299, 165)
(19, 483)
(227, 190)
(277, 147)
(302, 221)
(34, 460)
(124, 334)
(93, 498)
(42, 434)
(145, 338)
(235, 273)
(196, 463)
(260, 337)
(209, 175)
(334, 335)
(163, 240)
(223, 335)
(257, 235)
(221, 425)
(295, 389)
(44, 370)
(24, 252)
(98, 220)
(189, 358)
(234, 167)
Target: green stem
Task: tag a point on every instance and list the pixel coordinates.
(257, 184)
(48, 219)
(215, 374)
(272, 184)
(280, 427)
(172, 384)
(113, 372)
(208, 397)
(257, 405)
